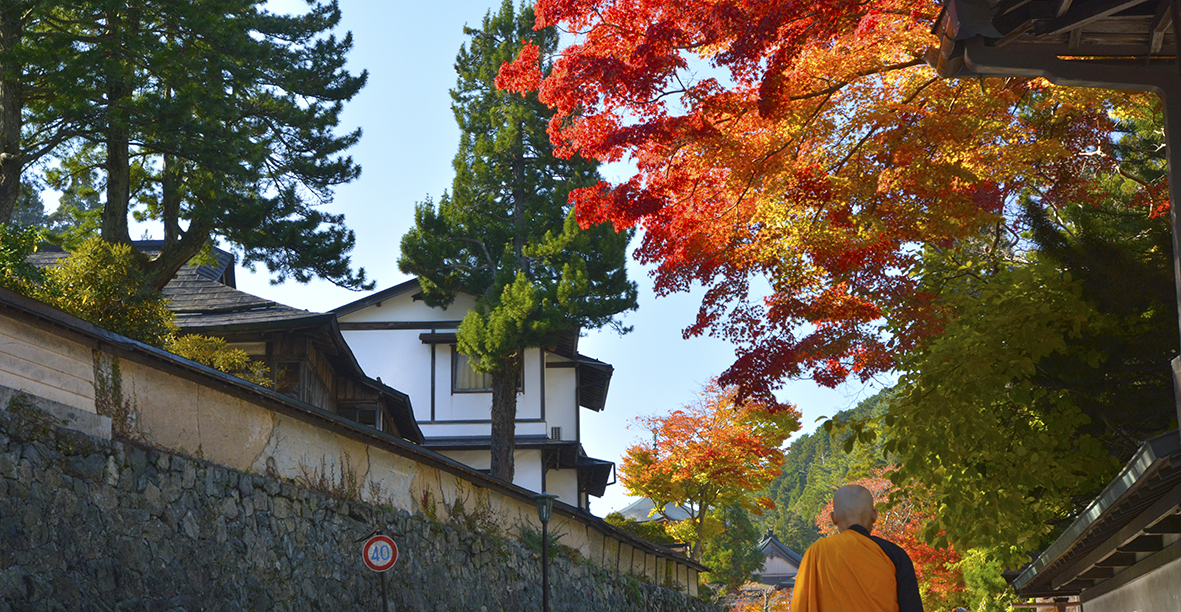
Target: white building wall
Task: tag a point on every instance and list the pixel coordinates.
(403, 361)
(561, 397)
(399, 359)
(778, 567)
(564, 484)
(405, 308)
(1156, 591)
(526, 466)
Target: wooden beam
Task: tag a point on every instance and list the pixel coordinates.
(1160, 23)
(1144, 543)
(1082, 14)
(1117, 559)
(1004, 6)
(1024, 17)
(1063, 7)
(1171, 524)
(1076, 37)
(1132, 532)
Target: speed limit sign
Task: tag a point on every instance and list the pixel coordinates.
(380, 553)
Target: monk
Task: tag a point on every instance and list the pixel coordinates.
(854, 571)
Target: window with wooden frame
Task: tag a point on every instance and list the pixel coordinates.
(368, 414)
(465, 379)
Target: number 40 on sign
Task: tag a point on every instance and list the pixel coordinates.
(380, 553)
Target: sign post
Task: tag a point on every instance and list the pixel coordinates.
(380, 553)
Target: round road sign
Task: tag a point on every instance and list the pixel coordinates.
(380, 553)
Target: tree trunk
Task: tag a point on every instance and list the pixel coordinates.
(10, 108)
(504, 420)
(160, 270)
(118, 139)
(179, 246)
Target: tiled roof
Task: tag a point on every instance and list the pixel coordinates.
(200, 299)
(202, 303)
(641, 511)
(772, 547)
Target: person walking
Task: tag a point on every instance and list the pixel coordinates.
(854, 571)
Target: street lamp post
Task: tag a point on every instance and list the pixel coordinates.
(545, 507)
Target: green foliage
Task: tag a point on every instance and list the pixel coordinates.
(530, 537)
(218, 354)
(29, 210)
(1001, 451)
(16, 245)
(733, 555)
(79, 209)
(101, 283)
(217, 119)
(506, 232)
(1049, 371)
(341, 483)
(653, 531)
(987, 589)
(111, 401)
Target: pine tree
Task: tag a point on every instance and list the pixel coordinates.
(216, 118)
(506, 232)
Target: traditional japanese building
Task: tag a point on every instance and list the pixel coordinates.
(308, 357)
(412, 346)
(781, 563)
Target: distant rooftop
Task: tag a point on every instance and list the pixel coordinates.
(641, 511)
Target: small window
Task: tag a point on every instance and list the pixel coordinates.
(465, 379)
(365, 414)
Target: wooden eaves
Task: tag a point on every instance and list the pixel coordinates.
(1130, 529)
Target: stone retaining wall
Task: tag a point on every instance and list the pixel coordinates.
(91, 524)
(171, 403)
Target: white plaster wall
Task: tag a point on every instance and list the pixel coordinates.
(564, 484)
(400, 359)
(1157, 591)
(778, 567)
(403, 308)
(526, 465)
(561, 400)
(440, 430)
(478, 406)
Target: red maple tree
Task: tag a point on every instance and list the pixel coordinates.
(715, 452)
(801, 143)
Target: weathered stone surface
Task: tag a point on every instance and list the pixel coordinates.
(90, 524)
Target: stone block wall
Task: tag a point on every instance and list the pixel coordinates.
(105, 383)
(91, 524)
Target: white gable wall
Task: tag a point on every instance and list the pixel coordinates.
(775, 566)
(405, 308)
(561, 398)
(398, 356)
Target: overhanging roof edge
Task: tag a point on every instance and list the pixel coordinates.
(1150, 454)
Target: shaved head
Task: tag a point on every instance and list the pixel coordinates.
(853, 505)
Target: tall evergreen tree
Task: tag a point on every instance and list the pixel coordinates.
(30, 72)
(216, 118)
(506, 232)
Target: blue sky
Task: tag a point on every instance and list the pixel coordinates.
(409, 140)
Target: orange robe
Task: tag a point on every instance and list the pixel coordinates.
(847, 572)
